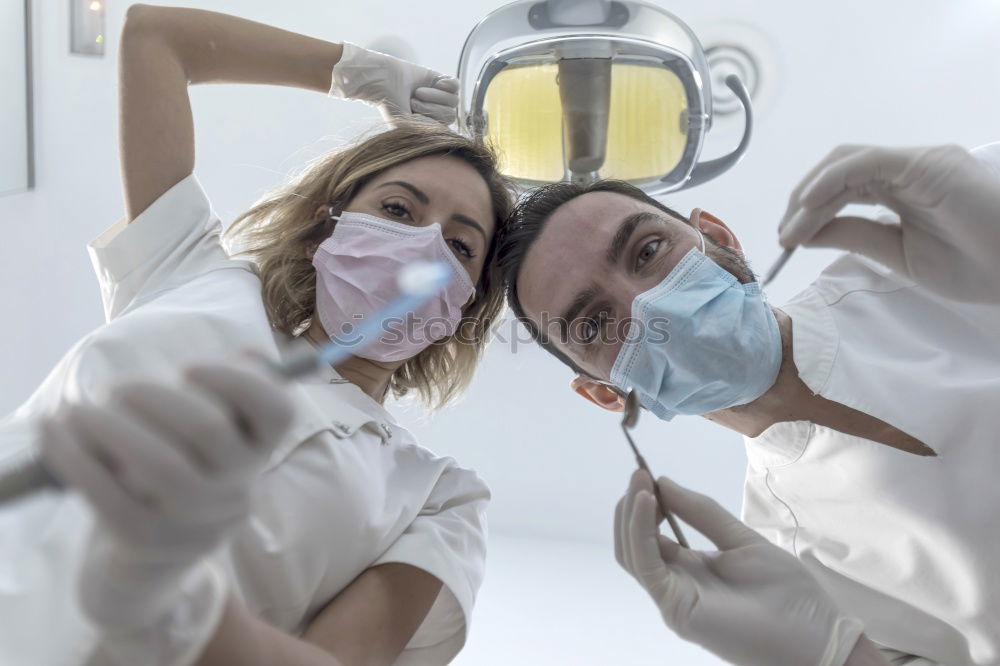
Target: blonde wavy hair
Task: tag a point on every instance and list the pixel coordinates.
(281, 232)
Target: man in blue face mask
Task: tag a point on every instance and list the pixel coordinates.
(631, 294)
(864, 401)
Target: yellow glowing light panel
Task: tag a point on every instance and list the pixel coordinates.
(646, 137)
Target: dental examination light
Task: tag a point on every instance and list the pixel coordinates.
(26, 473)
(576, 90)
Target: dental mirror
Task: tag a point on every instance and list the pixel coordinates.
(630, 417)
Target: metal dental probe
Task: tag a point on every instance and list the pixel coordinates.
(777, 266)
(630, 417)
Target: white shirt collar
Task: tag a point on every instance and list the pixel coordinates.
(815, 341)
(338, 386)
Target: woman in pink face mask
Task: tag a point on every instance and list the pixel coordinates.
(341, 541)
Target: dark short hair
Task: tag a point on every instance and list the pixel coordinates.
(525, 225)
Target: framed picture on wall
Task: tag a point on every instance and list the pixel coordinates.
(17, 167)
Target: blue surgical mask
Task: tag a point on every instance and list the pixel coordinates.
(700, 341)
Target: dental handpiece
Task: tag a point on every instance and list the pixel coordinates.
(26, 473)
(417, 283)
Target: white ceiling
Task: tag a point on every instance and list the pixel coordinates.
(899, 72)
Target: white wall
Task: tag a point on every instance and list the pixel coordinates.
(893, 72)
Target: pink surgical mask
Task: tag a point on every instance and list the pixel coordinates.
(356, 269)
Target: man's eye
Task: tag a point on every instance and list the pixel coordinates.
(648, 251)
(592, 326)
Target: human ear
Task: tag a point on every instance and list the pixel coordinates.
(323, 212)
(598, 393)
(715, 229)
(323, 219)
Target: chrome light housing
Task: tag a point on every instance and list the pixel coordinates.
(578, 90)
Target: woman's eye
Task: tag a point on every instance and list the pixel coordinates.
(462, 248)
(648, 251)
(395, 209)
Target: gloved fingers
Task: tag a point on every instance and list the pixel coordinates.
(154, 469)
(644, 535)
(446, 83)
(196, 421)
(91, 474)
(648, 567)
(258, 404)
(794, 199)
(620, 533)
(436, 96)
(621, 527)
(443, 114)
(707, 516)
(148, 465)
(806, 222)
(670, 550)
(877, 167)
(638, 482)
(881, 242)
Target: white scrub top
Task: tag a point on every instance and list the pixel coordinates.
(347, 489)
(909, 544)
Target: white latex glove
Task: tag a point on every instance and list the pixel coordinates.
(394, 86)
(749, 602)
(168, 471)
(948, 202)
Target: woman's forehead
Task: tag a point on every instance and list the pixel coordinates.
(437, 172)
(445, 180)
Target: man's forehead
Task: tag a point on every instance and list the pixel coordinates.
(572, 245)
(596, 213)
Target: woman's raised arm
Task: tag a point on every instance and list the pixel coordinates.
(163, 49)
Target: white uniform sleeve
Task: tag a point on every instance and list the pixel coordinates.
(899, 659)
(448, 540)
(175, 240)
(989, 155)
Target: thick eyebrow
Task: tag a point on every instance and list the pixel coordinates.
(574, 309)
(625, 230)
(417, 192)
(468, 221)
